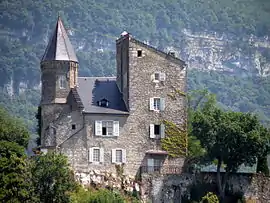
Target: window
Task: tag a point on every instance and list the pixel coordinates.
(157, 131)
(153, 164)
(158, 77)
(96, 155)
(118, 156)
(139, 53)
(73, 126)
(62, 82)
(157, 104)
(107, 128)
(103, 103)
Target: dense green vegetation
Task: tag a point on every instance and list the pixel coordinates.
(26, 26)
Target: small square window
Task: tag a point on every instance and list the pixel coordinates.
(73, 126)
(96, 155)
(157, 129)
(156, 76)
(139, 53)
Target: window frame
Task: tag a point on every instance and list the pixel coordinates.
(158, 104)
(123, 155)
(100, 157)
(62, 82)
(96, 155)
(141, 53)
(112, 132)
(121, 160)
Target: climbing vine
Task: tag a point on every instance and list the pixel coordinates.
(176, 93)
(175, 141)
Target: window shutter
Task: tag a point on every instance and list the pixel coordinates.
(91, 155)
(124, 156)
(151, 104)
(113, 155)
(162, 104)
(162, 131)
(98, 128)
(162, 77)
(152, 77)
(101, 158)
(152, 133)
(116, 128)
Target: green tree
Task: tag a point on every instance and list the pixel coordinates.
(52, 178)
(15, 184)
(230, 138)
(15, 176)
(12, 129)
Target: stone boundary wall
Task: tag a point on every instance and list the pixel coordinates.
(170, 188)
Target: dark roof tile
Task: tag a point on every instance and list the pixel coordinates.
(59, 47)
(93, 89)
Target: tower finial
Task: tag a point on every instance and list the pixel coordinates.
(58, 15)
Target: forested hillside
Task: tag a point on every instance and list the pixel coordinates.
(94, 25)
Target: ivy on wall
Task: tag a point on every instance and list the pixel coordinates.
(175, 142)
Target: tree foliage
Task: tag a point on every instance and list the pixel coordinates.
(15, 179)
(231, 138)
(52, 178)
(12, 129)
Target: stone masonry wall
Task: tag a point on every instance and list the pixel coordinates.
(167, 188)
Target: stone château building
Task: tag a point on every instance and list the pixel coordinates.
(99, 122)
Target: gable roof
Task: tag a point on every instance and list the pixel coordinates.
(59, 47)
(93, 89)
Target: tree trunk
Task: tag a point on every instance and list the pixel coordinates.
(220, 183)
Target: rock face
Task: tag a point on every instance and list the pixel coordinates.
(206, 51)
(103, 179)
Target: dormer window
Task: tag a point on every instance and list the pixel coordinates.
(103, 103)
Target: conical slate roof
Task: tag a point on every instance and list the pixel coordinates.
(59, 47)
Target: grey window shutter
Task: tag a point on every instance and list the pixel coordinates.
(151, 104)
(162, 77)
(162, 131)
(113, 155)
(98, 128)
(162, 104)
(152, 134)
(116, 128)
(124, 156)
(101, 158)
(91, 155)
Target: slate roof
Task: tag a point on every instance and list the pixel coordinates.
(59, 47)
(93, 89)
